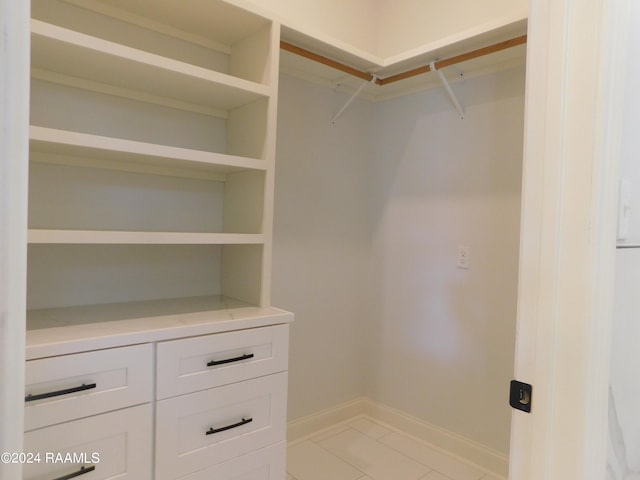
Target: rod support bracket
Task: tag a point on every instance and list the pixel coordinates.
(447, 87)
(352, 98)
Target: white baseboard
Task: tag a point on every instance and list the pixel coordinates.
(303, 427)
(492, 461)
(495, 462)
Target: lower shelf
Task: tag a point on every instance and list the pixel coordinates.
(60, 331)
(90, 237)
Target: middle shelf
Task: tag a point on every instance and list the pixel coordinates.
(95, 189)
(83, 149)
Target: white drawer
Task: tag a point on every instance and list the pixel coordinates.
(86, 384)
(193, 364)
(265, 464)
(121, 440)
(201, 429)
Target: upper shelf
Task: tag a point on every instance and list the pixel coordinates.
(218, 22)
(78, 55)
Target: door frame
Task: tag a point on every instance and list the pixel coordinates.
(567, 246)
(574, 98)
(14, 152)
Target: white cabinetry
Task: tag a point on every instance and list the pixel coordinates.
(107, 446)
(152, 155)
(74, 386)
(202, 429)
(90, 414)
(264, 464)
(193, 364)
(199, 426)
(152, 147)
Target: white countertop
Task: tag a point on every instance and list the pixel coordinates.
(62, 331)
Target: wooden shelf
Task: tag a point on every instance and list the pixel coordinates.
(128, 155)
(149, 87)
(205, 20)
(75, 54)
(104, 237)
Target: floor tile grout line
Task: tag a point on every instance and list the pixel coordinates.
(484, 472)
(368, 419)
(341, 423)
(484, 475)
(455, 459)
(364, 474)
(331, 436)
(348, 426)
(431, 469)
(425, 477)
(323, 438)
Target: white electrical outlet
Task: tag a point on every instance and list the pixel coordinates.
(464, 257)
(624, 209)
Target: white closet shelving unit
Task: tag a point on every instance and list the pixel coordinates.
(152, 145)
(152, 157)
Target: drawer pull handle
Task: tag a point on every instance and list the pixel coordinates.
(244, 421)
(57, 393)
(82, 471)
(230, 360)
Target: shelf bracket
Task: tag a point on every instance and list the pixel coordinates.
(447, 87)
(352, 98)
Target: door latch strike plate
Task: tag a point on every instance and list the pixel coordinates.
(520, 396)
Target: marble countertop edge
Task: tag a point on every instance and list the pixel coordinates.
(68, 339)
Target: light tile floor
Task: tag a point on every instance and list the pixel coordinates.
(365, 450)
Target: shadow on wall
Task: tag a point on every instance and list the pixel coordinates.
(438, 183)
(369, 214)
(321, 243)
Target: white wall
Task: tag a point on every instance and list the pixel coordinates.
(446, 336)
(368, 217)
(630, 146)
(406, 25)
(623, 461)
(350, 25)
(386, 31)
(320, 242)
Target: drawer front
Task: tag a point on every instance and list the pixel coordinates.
(201, 429)
(108, 446)
(265, 464)
(59, 389)
(194, 364)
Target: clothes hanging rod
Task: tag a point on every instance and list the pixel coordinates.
(496, 47)
(325, 61)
